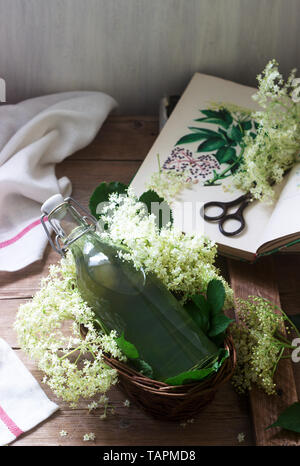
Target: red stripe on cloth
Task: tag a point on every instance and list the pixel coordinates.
(14, 429)
(10, 241)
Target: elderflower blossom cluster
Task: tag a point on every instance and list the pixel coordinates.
(276, 147)
(183, 262)
(168, 184)
(258, 351)
(73, 365)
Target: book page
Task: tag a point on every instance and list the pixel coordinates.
(204, 156)
(285, 219)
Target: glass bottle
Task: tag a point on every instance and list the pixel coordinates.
(126, 299)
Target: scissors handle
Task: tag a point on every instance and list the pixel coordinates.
(224, 206)
(238, 216)
(214, 218)
(223, 217)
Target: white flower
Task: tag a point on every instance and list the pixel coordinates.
(103, 400)
(183, 262)
(74, 367)
(92, 405)
(276, 146)
(89, 437)
(126, 403)
(38, 325)
(241, 437)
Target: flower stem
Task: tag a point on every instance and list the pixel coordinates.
(158, 161)
(71, 352)
(283, 344)
(220, 176)
(278, 359)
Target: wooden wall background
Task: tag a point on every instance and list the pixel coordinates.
(138, 50)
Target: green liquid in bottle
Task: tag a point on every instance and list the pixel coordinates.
(139, 305)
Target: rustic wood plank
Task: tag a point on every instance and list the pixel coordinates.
(86, 176)
(287, 268)
(219, 424)
(214, 425)
(122, 138)
(260, 279)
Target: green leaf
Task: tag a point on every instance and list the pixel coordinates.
(189, 376)
(189, 138)
(225, 155)
(222, 114)
(246, 125)
(215, 295)
(296, 320)
(142, 366)
(207, 133)
(235, 133)
(210, 113)
(223, 134)
(223, 354)
(216, 121)
(219, 339)
(211, 144)
(199, 374)
(229, 155)
(149, 197)
(289, 419)
(218, 324)
(128, 348)
(219, 321)
(227, 116)
(199, 310)
(102, 193)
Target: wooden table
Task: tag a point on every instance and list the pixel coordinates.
(116, 154)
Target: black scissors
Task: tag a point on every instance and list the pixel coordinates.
(242, 201)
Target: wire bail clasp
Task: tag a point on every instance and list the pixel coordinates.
(87, 219)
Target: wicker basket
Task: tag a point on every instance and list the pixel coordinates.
(172, 403)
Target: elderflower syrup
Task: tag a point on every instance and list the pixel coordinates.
(125, 299)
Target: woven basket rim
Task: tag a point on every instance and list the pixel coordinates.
(156, 386)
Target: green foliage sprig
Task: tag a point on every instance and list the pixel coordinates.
(260, 343)
(208, 312)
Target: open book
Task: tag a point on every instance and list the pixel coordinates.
(201, 140)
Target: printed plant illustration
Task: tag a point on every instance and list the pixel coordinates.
(182, 160)
(226, 143)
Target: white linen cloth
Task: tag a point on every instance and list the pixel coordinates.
(34, 136)
(23, 404)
